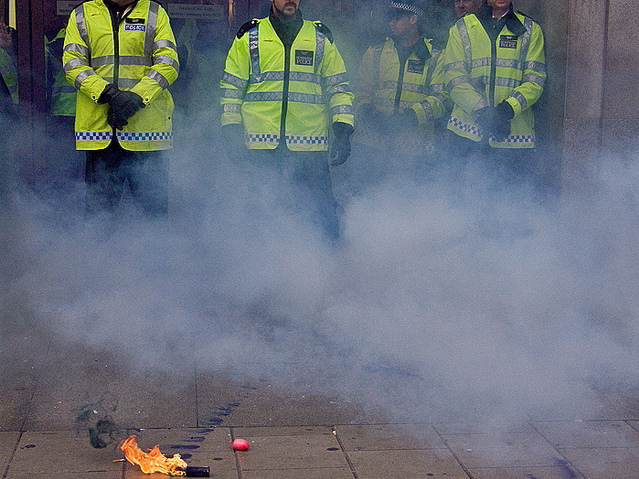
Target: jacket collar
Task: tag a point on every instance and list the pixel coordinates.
(485, 15)
(419, 48)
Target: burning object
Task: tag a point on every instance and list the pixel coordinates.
(154, 461)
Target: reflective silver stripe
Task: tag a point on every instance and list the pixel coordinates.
(412, 87)
(306, 98)
(342, 110)
(135, 60)
(520, 98)
(455, 66)
(343, 88)
(166, 60)
(432, 63)
(335, 79)
(537, 66)
(232, 93)
(268, 76)
(75, 62)
(508, 63)
(440, 96)
(427, 109)
(235, 80)
(83, 76)
(254, 47)
(468, 49)
(164, 44)
(304, 77)
(263, 96)
(154, 75)
(535, 79)
(457, 81)
(76, 47)
(480, 62)
(82, 27)
(100, 61)
(232, 108)
(151, 27)
(507, 82)
(278, 96)
(525, 40)
(319, 49)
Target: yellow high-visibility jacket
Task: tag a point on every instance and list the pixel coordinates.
(421, 88)
(140, 56)
(482, 73)
(255, 80)
(9, 73)
(62, 94)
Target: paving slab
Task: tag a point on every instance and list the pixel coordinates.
(75, 380)
(605, 463)
(502, 450)
(377, 437)
(224, 402)
(197, 446)
(559, 472)
(403, 464)
(8, 441)
(21, 358)
(589, 434)
(293, 448)
(61, 454)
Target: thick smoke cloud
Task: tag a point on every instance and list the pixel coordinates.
(451, 292)
(445, 296)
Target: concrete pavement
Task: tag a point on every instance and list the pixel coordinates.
(52, 394)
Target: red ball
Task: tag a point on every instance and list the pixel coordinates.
(240, 445)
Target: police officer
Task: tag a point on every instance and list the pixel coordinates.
(121, 57)
(400, 92)
(280, 73)
(466, 7)
(495, 72)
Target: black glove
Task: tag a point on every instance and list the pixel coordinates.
(372, 118)
(484, 117)
(341, 143)
(122, 105)
(405, 120)
(500, 127)
(495, 120)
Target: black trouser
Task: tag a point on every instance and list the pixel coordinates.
(308, 175)
(510, 165)
(146, 172)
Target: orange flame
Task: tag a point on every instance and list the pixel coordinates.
(152, 461)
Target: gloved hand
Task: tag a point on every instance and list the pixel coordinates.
(405, 120)
(122, 105)
(341, 143)
(372, 118)
(500, 127)
(495, 120)
(484, 117)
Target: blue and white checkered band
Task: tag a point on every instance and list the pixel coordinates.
(409, 8)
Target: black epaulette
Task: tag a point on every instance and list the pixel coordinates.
(323, 29)
(246, 27)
